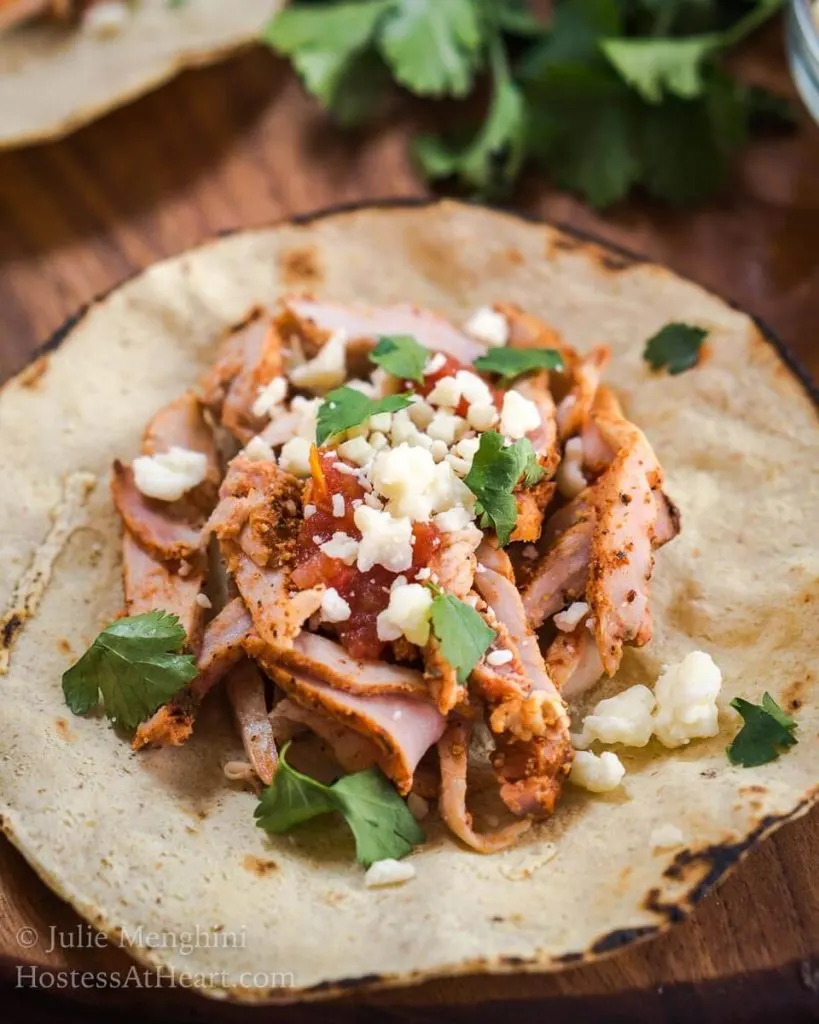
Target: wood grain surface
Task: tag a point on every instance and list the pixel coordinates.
(240, 145)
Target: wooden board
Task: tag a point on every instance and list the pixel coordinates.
(240, 145)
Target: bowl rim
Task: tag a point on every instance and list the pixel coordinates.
(806, 14)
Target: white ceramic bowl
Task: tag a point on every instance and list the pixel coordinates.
(803, 50)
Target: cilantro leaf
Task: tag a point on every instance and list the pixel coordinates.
(377, 816)
(514, 18)
(575, 32)
(345, 407)
(496, 470)
(379, 819)
(492, 159)
(433, 48)
(766, 730)
(463, 635)
(605, 95)
(402, 356)
(512, 362)
(323, 41)
(675, 347)
(134, 664)
(653, 66)
(582, 128)
(656, 65)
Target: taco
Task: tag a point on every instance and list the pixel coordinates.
(431, 608)
(65, 62)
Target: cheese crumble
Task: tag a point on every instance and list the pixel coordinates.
(167, 476)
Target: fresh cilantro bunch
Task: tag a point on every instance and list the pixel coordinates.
(605, 96)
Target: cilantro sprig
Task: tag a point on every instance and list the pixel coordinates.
(463, 635)
(675, 347)
(345, 407)
(512, 362)
(605, 95)
(767, 730)
(134, 665)
(402, 356)
(379, 819)
(496, 470)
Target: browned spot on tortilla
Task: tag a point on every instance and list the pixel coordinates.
(560, 243)
(301, 267)
(10, 629)
(793, 696)
(514, 256)
(441, 260)
(61, 725)
(202, 814)
(191, 830)
(755, 788)
(623, 877)
(613, 262)
(63, 646)
(334, 897)
(33, 374)
(259, 866)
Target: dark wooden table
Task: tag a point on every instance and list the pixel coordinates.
(240, 145)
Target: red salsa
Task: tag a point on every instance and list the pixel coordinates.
(449, 368)
(367, 593)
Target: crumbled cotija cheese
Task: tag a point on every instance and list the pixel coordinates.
(384, 540)
(388, 872)
(598, 774)
(295, 457)
(269, 397)
(341, 546)
(107, 18)
(686, 696)
(567, 620)
(168, 475)
(488, 326)
(258, 450)
(333, 606)
(519, 416)
(625, 718)
(329, 367)
(569, 477)
(407, 614)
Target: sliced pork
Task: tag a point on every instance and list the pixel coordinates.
(326, 560)
(573, 661)
(245, 690)
(584, 376)
(248, 359)
(170, 529)
(561, 575)
(220, 650)
(369, 323)
(453, 750)
(533, 750)
(403, 729)
(352, 751)
(621, 559)
(150, 583)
